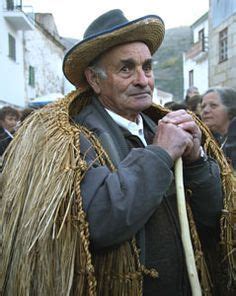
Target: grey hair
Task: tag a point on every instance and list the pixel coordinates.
(96, 67)
(228, 98)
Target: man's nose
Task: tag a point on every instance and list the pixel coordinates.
(140, 78)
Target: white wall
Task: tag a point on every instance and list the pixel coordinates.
(199, 27)
(200, 74)
(36, 48)
(11, 72)
(46, 58)
(199, 64)
(160, 97)
(68, 87)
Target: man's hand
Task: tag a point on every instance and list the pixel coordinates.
(179, 135)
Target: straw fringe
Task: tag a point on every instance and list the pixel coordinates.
(32, 211)
(46, 235)
(228, 221)
(44, 221)
(203, 273)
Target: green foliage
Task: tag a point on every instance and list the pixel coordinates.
(169, 69)
(171, 62)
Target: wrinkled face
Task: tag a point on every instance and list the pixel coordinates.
(129, 84)
(9, 122)
(214, 113)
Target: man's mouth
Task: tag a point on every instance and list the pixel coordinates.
(138, 94)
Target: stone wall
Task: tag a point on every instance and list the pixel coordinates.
(45, 54)
(223, 73)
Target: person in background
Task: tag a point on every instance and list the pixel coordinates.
(94, 210)
(25, 113)
(178, 106)
(169, 104)
(219, 114)
(8, 121)
(174, 106)
(194, 104)
(191, 91)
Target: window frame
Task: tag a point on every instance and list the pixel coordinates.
(201, 38)
(223, 45)
(191, 78)
(11, 47)
(31, 80)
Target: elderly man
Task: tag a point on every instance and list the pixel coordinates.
(94, 210)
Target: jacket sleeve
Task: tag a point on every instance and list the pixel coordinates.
(119, 203)
(206, 200)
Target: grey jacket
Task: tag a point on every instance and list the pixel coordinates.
(139, 199)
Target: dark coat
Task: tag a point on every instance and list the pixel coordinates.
(139, 199)
(230, 145)
(5, 140)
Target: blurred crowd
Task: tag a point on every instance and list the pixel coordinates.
(217, 109)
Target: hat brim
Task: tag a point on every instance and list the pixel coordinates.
(149, 29)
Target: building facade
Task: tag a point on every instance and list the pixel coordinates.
(43, 58)
(222, 43)
(195, 60)
(31, 55)
(161, 97)
(13, 24)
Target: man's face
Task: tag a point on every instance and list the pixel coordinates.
(129, 85)
(9, 122)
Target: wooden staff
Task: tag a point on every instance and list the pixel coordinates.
(185, 232)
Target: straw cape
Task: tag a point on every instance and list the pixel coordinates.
(110, 29)
(46, 240)
(46, 246)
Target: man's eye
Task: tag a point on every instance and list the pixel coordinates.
(125, 69)
(147, 68)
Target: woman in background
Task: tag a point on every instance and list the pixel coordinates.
(8, 120)
(219, 114)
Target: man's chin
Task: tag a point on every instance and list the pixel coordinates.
(144, 106)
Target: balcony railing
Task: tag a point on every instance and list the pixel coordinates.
(197, 49)
(15, 14)
(12, 5)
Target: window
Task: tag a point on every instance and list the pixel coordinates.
(201, 35)
(31, 76)
(223, 45)
(12, 47)
(10, 4)
(201, 38)
(190, 77)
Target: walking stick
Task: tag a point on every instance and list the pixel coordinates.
(185, 232)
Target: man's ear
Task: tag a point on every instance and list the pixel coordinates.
(92, 79)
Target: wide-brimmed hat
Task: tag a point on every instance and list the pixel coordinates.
(110, 29)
